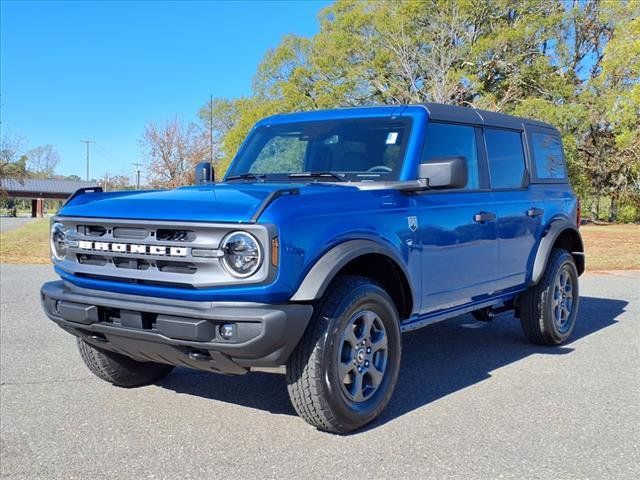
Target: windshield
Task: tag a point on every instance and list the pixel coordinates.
(333, 150)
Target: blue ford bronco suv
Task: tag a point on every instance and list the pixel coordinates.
(331, 234)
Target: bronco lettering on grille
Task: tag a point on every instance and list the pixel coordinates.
(133, 248)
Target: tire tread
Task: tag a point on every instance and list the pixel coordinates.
(534, 302)
(304, 370)
(118, 369)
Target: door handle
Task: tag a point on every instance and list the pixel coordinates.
(534, 212)
(483, 217)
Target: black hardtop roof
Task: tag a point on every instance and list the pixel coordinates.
(453, 113)
(437, 112)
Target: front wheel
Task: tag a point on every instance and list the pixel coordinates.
(120, 370)
(343, 372)
(548, 310)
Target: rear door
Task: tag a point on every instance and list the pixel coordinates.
(459, 248)
(518, 217)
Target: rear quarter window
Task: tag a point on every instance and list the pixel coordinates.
(547, 156)
(505, 156)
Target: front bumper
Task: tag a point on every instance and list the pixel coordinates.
(178, 332)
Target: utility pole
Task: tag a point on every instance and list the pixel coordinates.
(87, 142)
(137, 165)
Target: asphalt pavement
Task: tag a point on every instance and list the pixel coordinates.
(474, 400)
(11, 223)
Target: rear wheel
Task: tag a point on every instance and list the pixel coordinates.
(548, 310)
(343, 372)
(120, 370)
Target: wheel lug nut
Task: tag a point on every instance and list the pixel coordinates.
(369, 350)
(366, 364)
(359, 369)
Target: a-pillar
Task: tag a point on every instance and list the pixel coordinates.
(37, 207)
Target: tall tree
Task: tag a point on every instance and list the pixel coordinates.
(115, 182)
(569, 62)
(42, 161)
(173, 149)
(616, 91)
(13, 162)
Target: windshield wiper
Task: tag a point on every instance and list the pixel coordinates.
(335, 175)
(246, 176)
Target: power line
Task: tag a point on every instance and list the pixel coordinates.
(87, 142)
(103, 151)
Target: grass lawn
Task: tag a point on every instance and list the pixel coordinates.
(27, 244)
(608, 247)
(612, 247)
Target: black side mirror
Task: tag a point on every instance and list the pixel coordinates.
(204, 173)
(445, 172)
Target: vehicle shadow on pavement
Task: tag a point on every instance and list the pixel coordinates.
(437, 360)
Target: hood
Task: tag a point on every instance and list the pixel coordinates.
(223, 202)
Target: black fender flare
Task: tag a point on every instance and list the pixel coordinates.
(555, 229)
(317, 280)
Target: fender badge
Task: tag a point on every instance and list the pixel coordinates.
(413, 223)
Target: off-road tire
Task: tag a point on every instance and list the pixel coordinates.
(120, 370)
(537, 315)
(313, 381)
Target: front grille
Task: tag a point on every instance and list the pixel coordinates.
(172, 235)
(135, 281)
(131, 233)
(154, 253)
(91, 230)
(132, 263)
(91, 259)
(177, 267)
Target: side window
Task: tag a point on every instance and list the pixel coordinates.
(547, 155)
(444, 140)
(506, 158)
(281, 154)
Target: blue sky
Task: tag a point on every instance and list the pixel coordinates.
(100, 70)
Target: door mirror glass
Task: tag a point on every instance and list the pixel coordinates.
(445, 172)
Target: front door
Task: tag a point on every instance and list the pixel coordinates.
(456, 228)
(459, 248)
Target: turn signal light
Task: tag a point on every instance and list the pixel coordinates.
(275, 251)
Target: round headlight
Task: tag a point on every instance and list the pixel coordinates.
(58, 237)
(242, 254)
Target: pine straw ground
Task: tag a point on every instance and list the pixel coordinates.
(608, 247)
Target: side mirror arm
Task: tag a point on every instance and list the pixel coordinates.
(415, 186)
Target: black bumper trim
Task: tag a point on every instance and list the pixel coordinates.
(180, 332)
